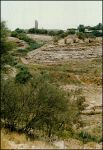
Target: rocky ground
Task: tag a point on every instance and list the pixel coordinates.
(61, 52)
(53, 54)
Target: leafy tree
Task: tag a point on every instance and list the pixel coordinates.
(39, 104)
(6, 45)
(55, 109)
(99, 26)
(81, 28)
(19, 30)
(14, 104)
(97, 33)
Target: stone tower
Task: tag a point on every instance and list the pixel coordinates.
(36, 24)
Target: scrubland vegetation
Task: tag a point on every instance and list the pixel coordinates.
(34, 103)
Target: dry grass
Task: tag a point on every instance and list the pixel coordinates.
(13, 140)
(73, 72)
(8, 136)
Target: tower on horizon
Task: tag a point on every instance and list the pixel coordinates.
(36, 24)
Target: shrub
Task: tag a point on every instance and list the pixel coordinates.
(60, 32)
(32, 44)
(23, 76)
(63, 35)
(71, 31)
(52, 33)
(81, 35)
(39, 104)
(89, 35)
(14, 34)
(21, 67)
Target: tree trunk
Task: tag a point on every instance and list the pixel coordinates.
(49, 131)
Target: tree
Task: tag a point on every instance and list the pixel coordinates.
(6, 45)
(14, 104)
(39, 104)
(81, 28)
(97, 33)
(99, 26)
(19, 30)
(55, 110)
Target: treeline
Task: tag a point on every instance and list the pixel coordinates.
(82, 32)
(95, 30)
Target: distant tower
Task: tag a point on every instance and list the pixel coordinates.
(36, 24)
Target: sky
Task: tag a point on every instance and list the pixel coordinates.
(51, 14)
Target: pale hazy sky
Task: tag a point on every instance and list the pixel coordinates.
(51, 14)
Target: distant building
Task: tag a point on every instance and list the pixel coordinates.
(36, 24)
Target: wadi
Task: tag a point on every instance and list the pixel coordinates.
(51, 88)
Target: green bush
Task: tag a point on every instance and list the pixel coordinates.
(14, 34)
(97, 33)
(63, 35)
(60, 32)
(21, 67)
(71, 31)
(39, 104)
(23, 76)
(7, 59)
(32, 44)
